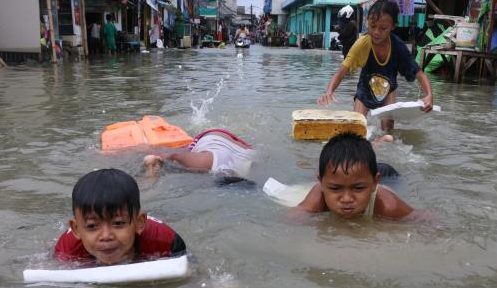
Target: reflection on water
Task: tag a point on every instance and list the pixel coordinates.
(52, 117)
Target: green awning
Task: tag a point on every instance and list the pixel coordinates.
(311, 7)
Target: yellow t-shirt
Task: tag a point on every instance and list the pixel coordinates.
(377, 77)
(358, 53)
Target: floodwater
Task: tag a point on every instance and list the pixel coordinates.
(51, 118)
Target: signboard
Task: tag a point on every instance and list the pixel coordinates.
(406, 7)
(208, 12)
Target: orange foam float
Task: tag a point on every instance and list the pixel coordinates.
(150, 130)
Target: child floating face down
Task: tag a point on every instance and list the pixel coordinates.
(381, 55)
(349, 183)
(214, 150)
(109, 227)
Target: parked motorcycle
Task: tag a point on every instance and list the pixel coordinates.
(242, 42)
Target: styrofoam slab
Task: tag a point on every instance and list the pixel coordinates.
(403, 111)
(286, 195)
(164, 269)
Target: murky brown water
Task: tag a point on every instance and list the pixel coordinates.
(51, 118)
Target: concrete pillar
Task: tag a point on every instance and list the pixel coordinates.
(327, 25)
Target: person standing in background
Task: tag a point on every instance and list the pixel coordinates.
(110, 33)
(220, 32)
(348, 29)
(95, 38)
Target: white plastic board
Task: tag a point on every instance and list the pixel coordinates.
(403, 111)
(287, 195)
(164, 269)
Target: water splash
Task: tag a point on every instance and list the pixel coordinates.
(200, 111)
(189, 87)
(239, 66)
(203, 106)
(222, 279)
(371, 131)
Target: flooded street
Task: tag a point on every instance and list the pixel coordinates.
(51, 119)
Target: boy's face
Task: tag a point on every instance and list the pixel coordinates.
(380, 28)
(110, 240)
(348, 194)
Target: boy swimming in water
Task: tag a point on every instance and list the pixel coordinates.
(108, 226)
(349, 183)
(216, 151)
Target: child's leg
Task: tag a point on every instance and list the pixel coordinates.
(385, 138)
(360, 107)
(387, 124)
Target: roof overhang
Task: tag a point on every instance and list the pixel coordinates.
(316, 4)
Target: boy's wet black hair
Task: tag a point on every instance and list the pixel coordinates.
(344, 151)
(106, 192)
(388, 7)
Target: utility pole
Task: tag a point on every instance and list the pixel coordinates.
(216, 36)
(251, 16)
(52, 34)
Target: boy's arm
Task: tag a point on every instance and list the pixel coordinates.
(389, 205)
(426, 86)
(356, 58)
(194, 161)
(329, 96)
(312, 203)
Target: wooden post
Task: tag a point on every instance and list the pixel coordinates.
(146, 12)
(52, 34)
(457, 69)
(434, 7)
(84, 32)
(2, 63)
(422, 63)
(139, 19)
(490, 30)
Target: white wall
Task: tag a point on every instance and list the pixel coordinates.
(276, 7)
(20, 26)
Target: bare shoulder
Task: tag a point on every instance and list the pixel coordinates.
(389, 205)
(314, 201)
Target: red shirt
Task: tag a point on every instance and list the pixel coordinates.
(157, 240)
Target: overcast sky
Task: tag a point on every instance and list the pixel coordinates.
(258, 5)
